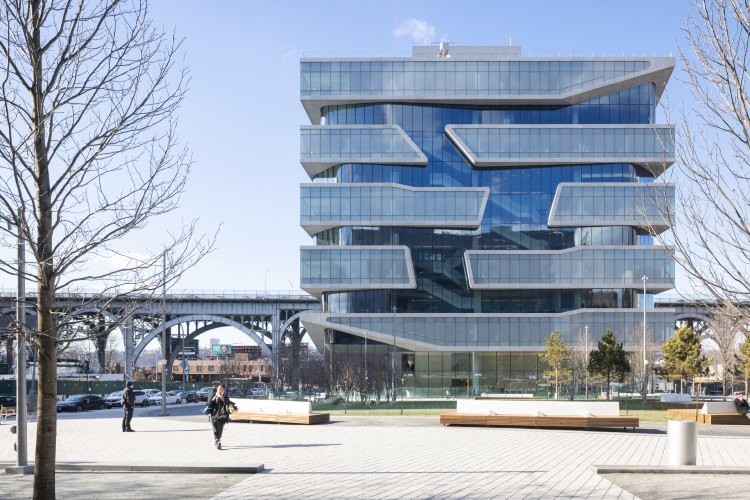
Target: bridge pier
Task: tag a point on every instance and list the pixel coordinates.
(127, 339)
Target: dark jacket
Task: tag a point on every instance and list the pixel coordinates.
(741, 405)
(128, 398)
(220, 407)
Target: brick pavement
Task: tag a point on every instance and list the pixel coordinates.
(388, 457)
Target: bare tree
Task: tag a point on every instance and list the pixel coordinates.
(713, 151)
(88, 156)
(580, 361)
(727, 323)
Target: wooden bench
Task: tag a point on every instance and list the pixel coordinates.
(578, 414)
(277, 411)
(712, 413)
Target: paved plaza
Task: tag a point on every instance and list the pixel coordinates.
(372, 457)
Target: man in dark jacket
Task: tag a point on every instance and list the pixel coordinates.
(128, 401)
(740, 403)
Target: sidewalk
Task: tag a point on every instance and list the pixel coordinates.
(368, 457)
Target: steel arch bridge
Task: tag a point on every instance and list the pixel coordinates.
(262, 316)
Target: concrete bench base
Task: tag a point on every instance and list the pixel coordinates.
(282, 418)
(452, 418)
(708, 418)
(277, 411)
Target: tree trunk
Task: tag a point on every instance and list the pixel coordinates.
(46, 433)
(608, 385)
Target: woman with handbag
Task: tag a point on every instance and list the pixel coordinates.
(218, 408)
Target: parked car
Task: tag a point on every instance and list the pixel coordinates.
(113, 399)
(80, 402)
(256, 391)
(141, 398)
(172, 398)
(7, 401)
(188, 396)
(205, 393)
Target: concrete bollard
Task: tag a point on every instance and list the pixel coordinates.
(682, 442)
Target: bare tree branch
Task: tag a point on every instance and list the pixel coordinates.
(89, 155)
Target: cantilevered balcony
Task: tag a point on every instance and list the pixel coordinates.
(513, 81)
(650, 146)
(574, 268)
(325, 206)
(322, 147)
(649, 207)
(334, 268)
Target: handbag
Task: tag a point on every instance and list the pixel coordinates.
(207, 410)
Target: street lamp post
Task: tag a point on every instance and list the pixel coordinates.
(265, 283)
(393, 356)
(645, 361)
(586, 356)
(164, 336)
(21, 455)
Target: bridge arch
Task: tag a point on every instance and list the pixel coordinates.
(289, 321)
(222, 321)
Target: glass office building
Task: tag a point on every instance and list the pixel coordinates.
(466, 202)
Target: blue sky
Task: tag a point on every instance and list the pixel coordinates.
(242, 114)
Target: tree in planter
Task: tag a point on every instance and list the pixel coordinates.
(609, 360)
(682, 355)
(88, 156)
(557, 355)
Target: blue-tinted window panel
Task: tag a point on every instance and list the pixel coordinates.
(582, 267)
(650, 146)
(647, 206)
(328, 268)
(322, 147)
(325, 206)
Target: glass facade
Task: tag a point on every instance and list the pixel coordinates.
(505, 145)
(342, 268)
(638, 205)
(336, 205)
(322, 147)
(485, 296)
(446, 78)
(591, 267)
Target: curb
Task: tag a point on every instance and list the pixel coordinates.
(186, 469)
(669, 469)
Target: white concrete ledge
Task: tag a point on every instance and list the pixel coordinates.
(538, 408)
(273, 406)
(669, 469)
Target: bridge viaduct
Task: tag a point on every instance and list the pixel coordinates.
(262, 316)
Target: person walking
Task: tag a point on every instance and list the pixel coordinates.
(219, 411)
(128, 401)
(740, 403)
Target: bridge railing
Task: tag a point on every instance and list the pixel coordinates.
(190, 294)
